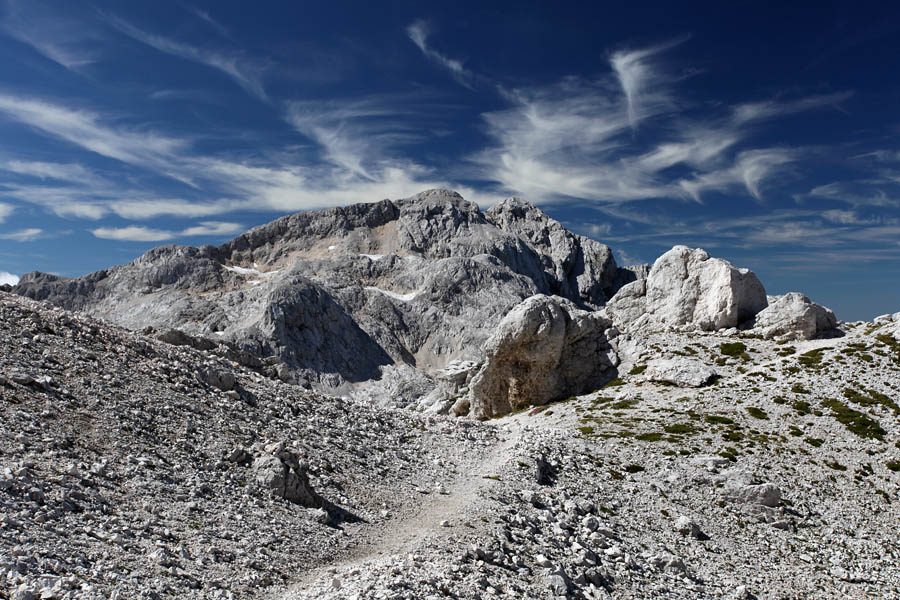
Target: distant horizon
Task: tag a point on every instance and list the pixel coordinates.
(767, 135)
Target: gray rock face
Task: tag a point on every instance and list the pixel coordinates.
(687, 289)
(576, 267)
(629, 304)
(285, 477)
(354, 294)
(682, 372)
(543, 350)
(793, 317)
(763, 494)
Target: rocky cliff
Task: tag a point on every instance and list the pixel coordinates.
(390, 291)
(420, 300)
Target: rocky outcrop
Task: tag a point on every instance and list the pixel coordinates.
(280, 472)
(793, 316)
(576, 267)
(545, 349)
(629, 304)
(680, 372)
(686, 289)
(889, 324)
(389, 292)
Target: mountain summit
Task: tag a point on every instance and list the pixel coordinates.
(340, 295)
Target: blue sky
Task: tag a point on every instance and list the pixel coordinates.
(766, 134)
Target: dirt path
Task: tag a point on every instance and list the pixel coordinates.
(403, 534)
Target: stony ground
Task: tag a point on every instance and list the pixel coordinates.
(126, 470)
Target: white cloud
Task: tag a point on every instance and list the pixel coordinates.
(46, 170)
(151, 207)
(213, 228)
(246, 72)
(771, 109)
(132, 233)
(24, 235)
(135, 233)
(5, 211)
(856, 194)
(67, 43)
(85, 129)
(750, 169)
(636, 73)
(418, 32)
(624, 259)
(205, 16)
(7, 278)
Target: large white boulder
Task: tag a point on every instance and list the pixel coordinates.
(681, 372)
(544, 349)
(793, 316)
(687, 289)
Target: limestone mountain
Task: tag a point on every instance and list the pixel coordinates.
(391, 290)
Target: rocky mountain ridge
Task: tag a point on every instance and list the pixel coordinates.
(392, 299)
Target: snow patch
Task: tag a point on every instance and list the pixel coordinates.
(251, 272)
(395, 295)
(373, 256)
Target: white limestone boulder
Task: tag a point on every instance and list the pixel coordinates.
(688, 290)
(793, 316)
(544, 349)
(681, 372)
(687, 287)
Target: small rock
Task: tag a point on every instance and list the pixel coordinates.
(685, 526)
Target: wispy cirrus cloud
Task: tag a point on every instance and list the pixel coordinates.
(70, 44)
(89, 130)
(419, 32)
(5, 211)
(133, 233)
(575, 139)
(773, 109)
(355, 139)
(139, 233)
(750, 169)
(247, 72)
(23, 235)
(209, 20)
(636, 72)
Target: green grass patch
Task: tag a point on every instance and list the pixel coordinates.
(634, 468)
(757, 413)
(859, 423)
(893, 465)
(835, 465)
(614, 383)
(626, 404)
(871, 398)
(811, 359)
(718, 420)
(732, 348)
(637, 369)
(680, 429)
(798, 388)
(654, 436)
(814, 442)
(802, 407)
